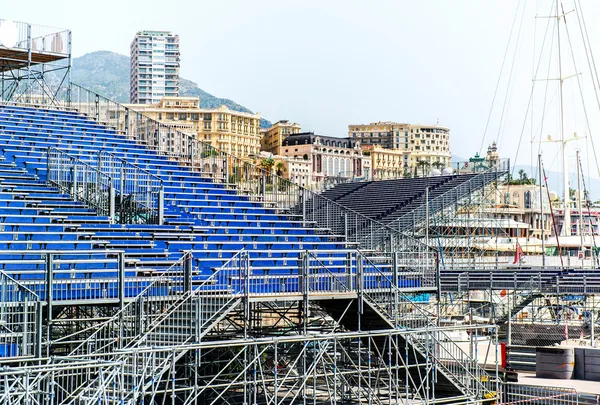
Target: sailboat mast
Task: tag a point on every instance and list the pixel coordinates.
(542, 213)
(566, 229)
(579, 207)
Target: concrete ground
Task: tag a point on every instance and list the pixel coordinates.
(591, 387)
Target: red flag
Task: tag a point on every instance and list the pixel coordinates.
(518, 253)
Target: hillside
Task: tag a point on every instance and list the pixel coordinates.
(107, 73)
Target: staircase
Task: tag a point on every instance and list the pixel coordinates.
(160, 322)
(523, 303)
(457, 374)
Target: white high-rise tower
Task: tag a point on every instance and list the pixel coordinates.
(154, 71)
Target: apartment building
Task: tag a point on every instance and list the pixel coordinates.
(234, 132)
(388, 163)
(154, 67)
(421, 147)
(272, 138)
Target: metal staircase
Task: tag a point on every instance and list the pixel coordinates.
(428, 350)
(182, 315)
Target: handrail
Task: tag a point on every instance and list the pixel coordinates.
(142, 193)
(126, 162)
(503, 166)
(110, 334)
(20, 316)
(83, 182)
(462, 367)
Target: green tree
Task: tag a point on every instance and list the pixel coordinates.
(279, 168)
(267, 164)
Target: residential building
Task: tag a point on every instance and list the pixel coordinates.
(272, 137)
(388, 163)
(298, 170)
(422, 147)
(330, 157)
(154, 71)
(234, 132)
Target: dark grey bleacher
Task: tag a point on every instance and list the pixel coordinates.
(390, 199)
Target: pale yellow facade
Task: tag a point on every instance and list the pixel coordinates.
(272, 138)
(234, 132)
(421, 146)
(387, 163)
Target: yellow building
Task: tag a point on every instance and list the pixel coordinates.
(273, 137)
(423, 147)
(234, 132)
(387, 163)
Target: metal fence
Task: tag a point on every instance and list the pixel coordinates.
(532, 394)
(62, 381)
(83, 182)
(452, 197)
(20, 320)
(37, 38)
(141, 194)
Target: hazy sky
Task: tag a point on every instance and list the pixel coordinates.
(326, 64)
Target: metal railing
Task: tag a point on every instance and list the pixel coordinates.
(451, 198)
(20, 320)
(171, 312)
(403, 311)
(37, 38)
(140, 192)
(81, 181)
(131, 321)
(62, 381)
(516, 394)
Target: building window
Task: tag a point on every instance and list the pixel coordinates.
(527, 199)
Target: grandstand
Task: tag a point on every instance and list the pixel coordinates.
(388, 201)
(67, 242)
(446, 213)
(140, 265)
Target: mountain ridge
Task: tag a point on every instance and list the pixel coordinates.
(107, 73)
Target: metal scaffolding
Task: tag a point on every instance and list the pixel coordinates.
(35, 63)
(335, 339)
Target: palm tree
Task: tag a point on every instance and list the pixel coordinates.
(267, 164)
(523, 178)
(438, 165)
(279, 168)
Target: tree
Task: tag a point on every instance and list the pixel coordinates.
(279, 168)
(267, 164)
(523, 178)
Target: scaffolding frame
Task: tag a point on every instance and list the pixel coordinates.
(35, 65)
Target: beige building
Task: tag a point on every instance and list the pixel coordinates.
(298, 170)
(423, 147)
(331, 159)
(387, 163)
(234, 132)
(272, 138)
